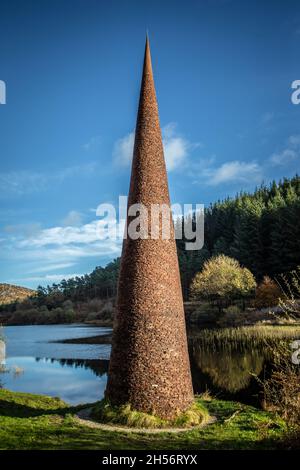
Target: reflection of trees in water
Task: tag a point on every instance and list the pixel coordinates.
(230, 371)
(98, 366)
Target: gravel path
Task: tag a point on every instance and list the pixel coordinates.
(83, 417)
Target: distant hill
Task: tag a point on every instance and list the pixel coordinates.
(10, 293)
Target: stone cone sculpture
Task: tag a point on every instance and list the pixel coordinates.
(149, 366)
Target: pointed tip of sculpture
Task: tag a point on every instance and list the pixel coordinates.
(147, 45)
(147, 58)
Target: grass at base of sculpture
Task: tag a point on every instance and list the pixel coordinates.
(124, 415)
(38, 422)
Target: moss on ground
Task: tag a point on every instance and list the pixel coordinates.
(38, 422)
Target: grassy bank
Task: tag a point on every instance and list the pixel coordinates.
(38, 422)
(259, 337)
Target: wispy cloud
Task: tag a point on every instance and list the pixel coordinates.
(92, 144)
(176, 148)
(47, 279)
(84, 234)
(38, 251)
(22, 229)
(244, 172)
(68, 244)
(289, 153)
(50, 267)
(267, 118)
(233, 172)
(294, 141)
(123, 150)
(22, 182)
(73, 218)
(268, 123)
(283, 157)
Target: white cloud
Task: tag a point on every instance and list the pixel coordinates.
(289, 153)
(234, 171)
(176, 148)
(84, 234)
(66, 253)
(40, 250)
(123, 150)
(73, 218)
(283, 157)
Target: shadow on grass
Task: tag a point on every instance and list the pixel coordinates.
(27, 406)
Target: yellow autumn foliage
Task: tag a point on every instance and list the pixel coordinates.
(222, 277)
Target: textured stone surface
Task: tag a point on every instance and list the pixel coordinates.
(149, 364)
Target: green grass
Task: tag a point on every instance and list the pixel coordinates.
(38, 422)
(126, 416)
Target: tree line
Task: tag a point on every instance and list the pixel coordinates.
(261, 230)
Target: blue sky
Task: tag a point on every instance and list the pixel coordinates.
(223, 71)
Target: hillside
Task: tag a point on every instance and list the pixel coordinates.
(10, 293)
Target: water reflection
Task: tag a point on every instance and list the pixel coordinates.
(99, 367)
(34, 363)
(74, 380)
(229, 371)
(78, 372)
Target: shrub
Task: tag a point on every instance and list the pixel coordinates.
(232, 317)
(289, 301)
(281, 391)
(92, 316)
(69, 315)
(107, 310)
(68, 305)
(95, 305)
(222, 279)
(267, 293)
(232, 310)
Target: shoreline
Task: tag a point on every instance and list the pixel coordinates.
(107, 338)
(97, 339)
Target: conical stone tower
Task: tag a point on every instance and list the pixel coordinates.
(149, 366)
